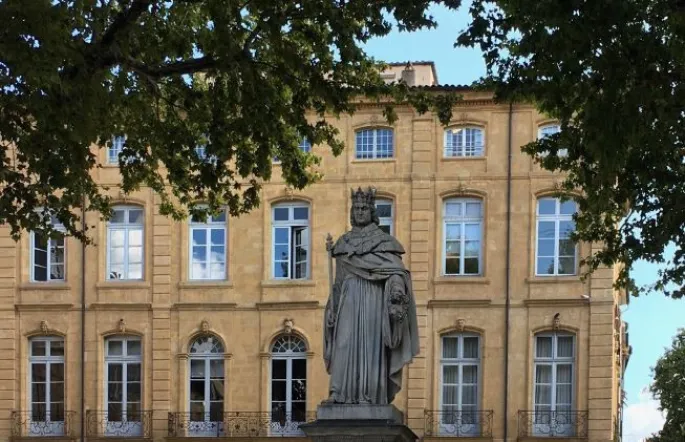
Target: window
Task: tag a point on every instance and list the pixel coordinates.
(206, 387)
(290, 241)
(385, 215)
(555, 251)
(288, 385)
(305, 145)
(464, 142)
(125, 243)
(201, 152)
(123, 398)
(460, 368)
(115, 148)
(554, 383)
(374, 143)
(46, 394)
(208, 247)
(462, 227)
(548, 130)
(47, 255)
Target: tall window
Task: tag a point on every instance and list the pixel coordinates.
(290, 241)
(385, 215)
(464, 142)
(46, 372)
(125, 243)
(462, 229)
(208, 247)
(47, 255)
(288, 384)
(115, 148)
(460, 367)
(554, 383)
(374, 143)
(547, 130)
(123, 399)
(206, 386)
(555, 251)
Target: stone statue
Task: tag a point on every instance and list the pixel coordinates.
(370, 327)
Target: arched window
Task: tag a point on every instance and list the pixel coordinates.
(125, 249)
(46, 393)
(554, 384)
(460, 383)
(462, 236)
(208, 247)
(123, 374)
(385, 213)
(290, 252)
(206, 401)
(464, 142)
(555, 251)
(288, 385)
(374, 144)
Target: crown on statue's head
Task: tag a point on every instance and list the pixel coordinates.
(361, 196)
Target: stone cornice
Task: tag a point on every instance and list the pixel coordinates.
(202, 306)
(450, 303)
(288, 305)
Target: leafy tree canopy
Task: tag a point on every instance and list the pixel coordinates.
(669, 388)
(236, 76)
(612, 72)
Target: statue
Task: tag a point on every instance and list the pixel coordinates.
(370, 327)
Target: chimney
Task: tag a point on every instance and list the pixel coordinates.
(409, 74)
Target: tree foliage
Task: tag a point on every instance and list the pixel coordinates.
(612, 72)
(237, 76)
(669, 388)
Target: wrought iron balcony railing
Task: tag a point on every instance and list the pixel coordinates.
(545, 423)
(129, 424)
(34, 423)
(458, 423)
(238, 424)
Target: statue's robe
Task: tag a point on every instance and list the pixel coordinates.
(364, 348)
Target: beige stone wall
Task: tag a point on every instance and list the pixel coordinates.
(247, 311)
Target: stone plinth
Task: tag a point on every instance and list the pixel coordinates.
(356, 422)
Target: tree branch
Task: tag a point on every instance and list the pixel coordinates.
(179, 67)
(122, 21)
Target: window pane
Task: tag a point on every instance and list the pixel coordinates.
(217, 254)
(568, 207)
(135, 254)
(281, 253)
(57, 372)
(543, 374)
(118, 216)
(450, 394)
(133, 391)
(216, 369)
(547, 206)
(282, 235)
(199, 270)
(57, 348)
(199, 237)
(470, 347)
(299, 390)
(453, 209)
(545, 247)
(197, 390)
(545, 266)
(564, 373)
(115, 372)
(135, 237)
(472, 249)
(38, 392)
(567, 266)
(40, 273)
(453, 249)
(278, 390)
(567, 248)
(450, 347)
(38, 348)
(197, 368)
(133, 372)
(114, 391)
(471, 266)
(543, 347)
(566, 228)
(199, 254)
(543, 394)
(115, 347)
(565, 346)
(470, 374)
(452, 266)
(57, 412)
(116, 255)
(473, 210)
(564, 394)
(57, 391)
(216, 390)
(133, 348)
(385, 228)
(135, 216)
(299, 369)
(218, 237)
(301, 213)
(472, 231)
(383, 210)
(135, 271)
(469, 394)
(281, 214)
(452, 231)
(281, 270)
(220, 217)
(450, 374)
(278, 369)
(116, 238)
(546, 229)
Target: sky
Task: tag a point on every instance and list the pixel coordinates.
(653, 319)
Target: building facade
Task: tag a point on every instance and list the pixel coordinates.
(214, 329)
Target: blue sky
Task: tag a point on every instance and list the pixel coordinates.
(652, 319)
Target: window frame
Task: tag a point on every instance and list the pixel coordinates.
(216, 427)
(463, 221)
(116, 145)
(460, 150)
(291, 224)
(208, 226)
(125, 226)
(288, 356)
(32, 247)
(133, 427)
(57, 427)
(557, 218)
(374, 146)
(387, 220)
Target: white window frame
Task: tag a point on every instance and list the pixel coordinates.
(115, 148)
(554, 128)
(557, 218)
(387, 220)
(206, 427)
(542, 427)
(460, 149)
(290, 427)
(375, 152)
(463, 221)
(51, 243)
(208, 226)
(446, 427)
(132, 427)
(48, 426)
(291, 224)
(305, 146)
(126, 227)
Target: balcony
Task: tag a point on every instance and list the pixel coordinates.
(571, 424)
(100, 424)
(34, 424)
(458, 423)
(238, 424)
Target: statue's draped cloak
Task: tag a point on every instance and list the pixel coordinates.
(364, 348)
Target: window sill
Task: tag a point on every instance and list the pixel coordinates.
(480, 158)
(47, 285)
(553, 279)
(110, 166)
(461, 280)
(288, 283)
(123, 284)
(374, 160)
(205, 284)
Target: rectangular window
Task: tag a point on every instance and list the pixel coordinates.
(46, 374)
(208, 248)
(549, 130)
(385, 215)
(464, 142)
(555, 251)
(374, 144)
(462, 230)
(459, 400)
(115, 148)
(47, 255)
(290, 242)
(125, 247)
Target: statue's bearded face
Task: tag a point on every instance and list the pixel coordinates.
(361, 214)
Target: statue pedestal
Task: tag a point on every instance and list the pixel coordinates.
(357, 422)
